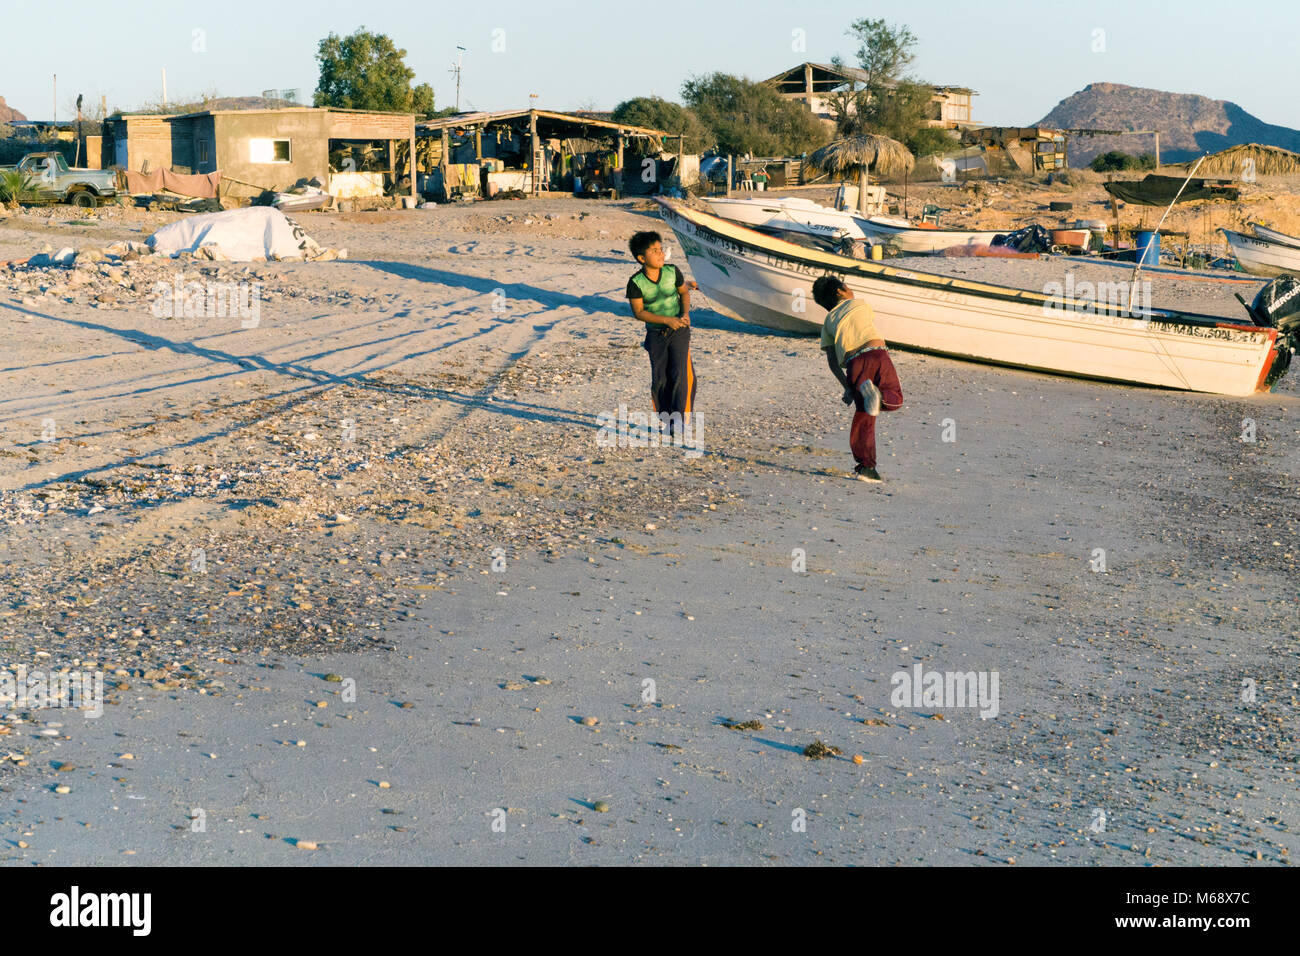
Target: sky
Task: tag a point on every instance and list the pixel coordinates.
(1021, 57)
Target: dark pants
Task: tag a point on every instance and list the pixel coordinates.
(873, 365)
(672, 375)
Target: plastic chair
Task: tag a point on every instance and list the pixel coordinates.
(930, 213)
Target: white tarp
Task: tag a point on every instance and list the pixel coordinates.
(242, 235)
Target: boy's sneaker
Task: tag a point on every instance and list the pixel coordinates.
(864, 473)
(870, 397)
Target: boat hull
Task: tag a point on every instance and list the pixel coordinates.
(1263, 257)
(769, 282)
(797, 216)
(1272, 235)
(921, 242)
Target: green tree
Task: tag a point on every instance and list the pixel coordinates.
(884, 52)
(886, 100)
(366, 71)
(422, 101)
(656, 113)
(749, 117)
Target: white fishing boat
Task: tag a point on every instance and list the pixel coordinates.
(767, 281)
(790, 214)
(1263, 257)
(804, 215)
(1272, 235)
(914, 240)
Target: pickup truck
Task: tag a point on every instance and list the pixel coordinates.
(50, 174)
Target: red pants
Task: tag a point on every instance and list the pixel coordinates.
(873, 365)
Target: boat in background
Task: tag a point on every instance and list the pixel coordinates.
(788, 214)
(1272, 235)
(922, 239)
(768, 281)
(1263, 257)
(804, 215)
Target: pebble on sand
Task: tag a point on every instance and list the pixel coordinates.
(600, 806)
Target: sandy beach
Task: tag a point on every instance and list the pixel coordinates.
(365, 588)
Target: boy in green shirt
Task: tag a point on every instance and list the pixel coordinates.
(660, 297)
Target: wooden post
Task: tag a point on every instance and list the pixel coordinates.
(478, 145)
(532, 141)
(444, 160)
(618, 164)
(731, 169)
(1157, 149)
(415, 168)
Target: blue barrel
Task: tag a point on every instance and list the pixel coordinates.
(1148, 239)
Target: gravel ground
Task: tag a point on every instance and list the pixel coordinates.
(352, 467)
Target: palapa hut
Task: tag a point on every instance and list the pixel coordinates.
(859, 156)
(1248, 161)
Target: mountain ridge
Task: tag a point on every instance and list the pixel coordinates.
(1189, 124)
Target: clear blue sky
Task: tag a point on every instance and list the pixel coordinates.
(1022, 57)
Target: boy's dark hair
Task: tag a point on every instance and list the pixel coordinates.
(826, 291)
(642, 241)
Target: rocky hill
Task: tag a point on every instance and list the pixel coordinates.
(8, 114)
(1189, 124)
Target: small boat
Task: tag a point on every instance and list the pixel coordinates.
(1272, 235)
(924, 239)
(804, 215)
(788, 214)
(1263, 257)
(767, 281)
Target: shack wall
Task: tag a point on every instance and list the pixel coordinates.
(234, 133)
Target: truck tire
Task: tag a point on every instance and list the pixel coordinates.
(84, 199)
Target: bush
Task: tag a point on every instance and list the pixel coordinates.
(16, 187)
(1116, 161)
(929, 141)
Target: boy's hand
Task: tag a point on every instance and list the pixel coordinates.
(848, 395)
(692, 285)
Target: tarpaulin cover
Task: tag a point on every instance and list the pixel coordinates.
(1160, 190)
(202, 186)
(258, 232)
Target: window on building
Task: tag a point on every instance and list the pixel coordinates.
(204, 153)
(269, 151)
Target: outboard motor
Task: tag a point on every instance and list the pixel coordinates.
(1277, 306)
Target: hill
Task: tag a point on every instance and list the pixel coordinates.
(1189, 124)
(8, 114)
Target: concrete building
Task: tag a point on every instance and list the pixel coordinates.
(813, 84)
(269, 148)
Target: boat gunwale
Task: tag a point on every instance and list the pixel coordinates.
(938, 282)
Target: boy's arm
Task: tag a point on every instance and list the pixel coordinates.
(639, 311)
(839, 374)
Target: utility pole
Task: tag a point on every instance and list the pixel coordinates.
(77, 161)
(164, 79)
(55, 118)
(460, 51)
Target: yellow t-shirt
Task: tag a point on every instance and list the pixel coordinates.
(848, 327)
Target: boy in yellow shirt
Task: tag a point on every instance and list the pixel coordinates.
(857, 356)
